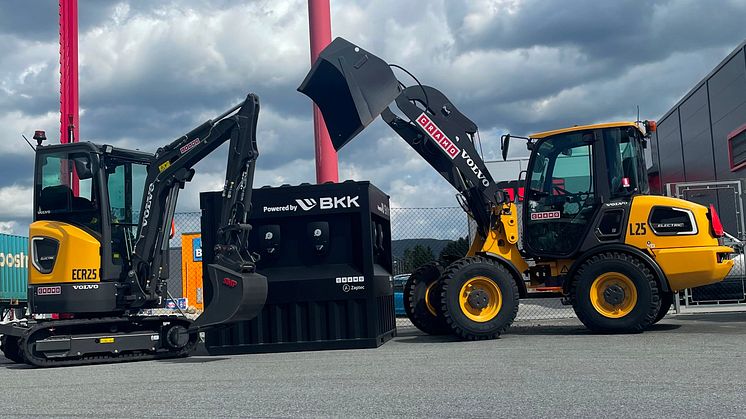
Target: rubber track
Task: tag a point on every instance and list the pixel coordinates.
(36, 361)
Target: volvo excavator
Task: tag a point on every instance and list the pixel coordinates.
(99, 245)
(586, 229)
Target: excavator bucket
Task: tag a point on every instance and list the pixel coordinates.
(351, 87)
(231, 297)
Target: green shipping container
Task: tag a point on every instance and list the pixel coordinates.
(13, 268)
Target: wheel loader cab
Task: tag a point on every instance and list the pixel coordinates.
(570, 174)
(84, 234)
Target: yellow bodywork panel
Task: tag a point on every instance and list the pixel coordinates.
(502, 240)
(78, 257)
(687, 260)
(560, 266)
(545, 134)
(690, 267)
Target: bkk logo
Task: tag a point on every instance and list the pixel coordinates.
(436, 134)
(306, 204)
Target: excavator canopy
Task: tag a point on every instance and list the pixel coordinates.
(351, 88)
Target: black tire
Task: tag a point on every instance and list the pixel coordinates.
(415, 305)
(666, 303)
(456, 277)
(10, 349)
(642, 312)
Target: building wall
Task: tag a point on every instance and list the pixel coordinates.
(690, 145)
(691, 141)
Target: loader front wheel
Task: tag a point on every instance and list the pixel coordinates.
(615, 292)
(421, 296)
(479, 298)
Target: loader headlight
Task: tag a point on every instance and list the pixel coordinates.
(44, 253)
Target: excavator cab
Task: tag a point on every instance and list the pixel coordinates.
(87, 198)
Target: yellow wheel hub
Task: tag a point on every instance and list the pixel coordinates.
(428, 303)
(480, 299)
(613, 295)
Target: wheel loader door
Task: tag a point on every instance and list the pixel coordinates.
(561, 198)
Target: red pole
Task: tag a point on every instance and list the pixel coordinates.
(69, 116)
(319, 20)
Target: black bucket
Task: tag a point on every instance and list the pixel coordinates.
(351, 87)
(231, 297)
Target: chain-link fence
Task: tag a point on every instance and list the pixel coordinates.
(419, 235)
(728, 199)
(185, 259)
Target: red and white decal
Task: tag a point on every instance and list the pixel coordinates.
(188, 146)
(549, 215)
(230, 283)
(49, 290)
(436, 134)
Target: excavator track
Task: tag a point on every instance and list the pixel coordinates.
(102, 336)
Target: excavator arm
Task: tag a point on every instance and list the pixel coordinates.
(352, 87)
(232, 276)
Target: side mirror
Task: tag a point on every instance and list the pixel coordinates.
(85, 165)
(504, 145)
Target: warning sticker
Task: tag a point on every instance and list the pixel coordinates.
(548, 215)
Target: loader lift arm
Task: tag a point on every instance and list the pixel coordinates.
(348, 79)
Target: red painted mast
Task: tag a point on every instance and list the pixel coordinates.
(69, 116)
(319, 20)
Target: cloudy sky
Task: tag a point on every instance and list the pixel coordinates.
(152, 70)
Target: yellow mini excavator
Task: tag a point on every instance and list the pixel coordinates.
(99, 248)
(586, 229)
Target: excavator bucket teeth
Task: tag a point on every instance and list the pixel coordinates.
(351, 87)
(231, 297)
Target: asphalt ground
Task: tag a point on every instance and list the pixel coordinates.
(689, 366)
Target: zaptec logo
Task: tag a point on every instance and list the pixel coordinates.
(306, 204)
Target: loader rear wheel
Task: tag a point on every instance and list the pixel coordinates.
(615, 292)
(10, 348)
(421, 299)
(479, 298)
(666, 303)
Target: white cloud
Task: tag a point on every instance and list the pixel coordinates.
(16, 202)
(151, 71)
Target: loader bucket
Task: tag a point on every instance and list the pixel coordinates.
(231, 297)
(351, 87)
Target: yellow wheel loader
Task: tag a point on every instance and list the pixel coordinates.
(586, 229)
(99, 248)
